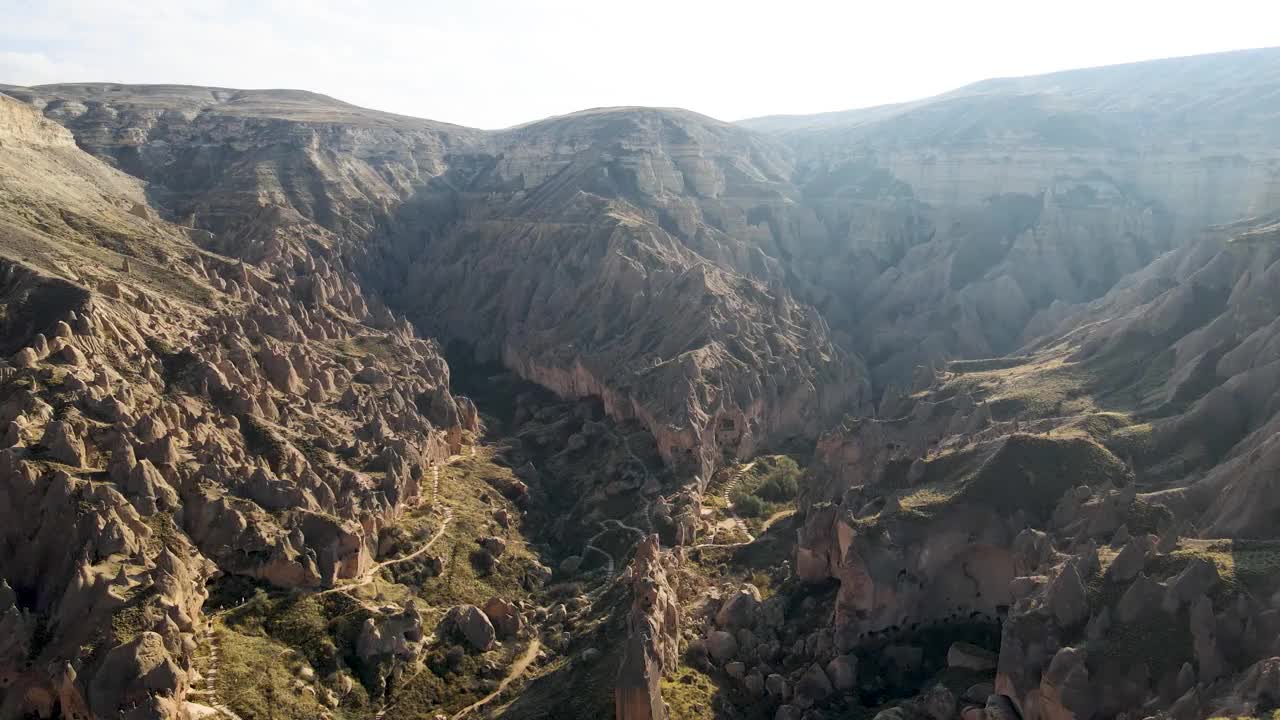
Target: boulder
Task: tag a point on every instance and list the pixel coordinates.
(135, 673)
(1000, 707)
(813, 687)
(505, 617)
(1143, 595)
(495, 546)
(739, 610)
(721, 645)
(474, 626)
(1065, 688)
(967, 656)
(842, 671)
(1068, 598)
(1196, 579)
(777, 686)
(25, 358)
(978, 693)
(1132, 559)
(64, 444)
(71, 355)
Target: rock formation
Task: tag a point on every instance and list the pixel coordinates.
(653, 626)
(1034, 397)
(149, 445)
(959, 225)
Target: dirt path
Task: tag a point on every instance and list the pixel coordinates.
(768, 523)
(446, 517)
(776, 517)
(368, 577)
(210, 691)
(613, 524)
(727, 494)
(518, 668)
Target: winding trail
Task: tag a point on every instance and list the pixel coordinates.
(446, 513)
(764, 528)
(775, 518)
(612, 524)
(727, 494)
(210, 691)
(648, 476)
(518, 668)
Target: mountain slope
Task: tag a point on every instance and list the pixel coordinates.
(977, 209)
(1109, 495)
(657, 207)
(172, 414)
(1063, 505)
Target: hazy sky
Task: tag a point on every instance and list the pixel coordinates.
(493, 63)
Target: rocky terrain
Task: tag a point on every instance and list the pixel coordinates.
(1105, 496)
(957, 226)
(962, 408)
(567, 250)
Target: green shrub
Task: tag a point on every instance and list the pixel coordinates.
(780, 487)
(748, 505)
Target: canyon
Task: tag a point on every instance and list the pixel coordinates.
(959, 408)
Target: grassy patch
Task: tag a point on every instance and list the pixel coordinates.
(1031, 473)
(926, 498)
(378, 346)
(1252, 566)
(439, 687)
(1047, 387)
(748, 506)
(257, 678)
(1155, 638)
(319, 631)
(1022, 472)
(424, 693)
(468, 487)
(690, 694)
(766, 486)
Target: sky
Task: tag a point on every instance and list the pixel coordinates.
(496, 63)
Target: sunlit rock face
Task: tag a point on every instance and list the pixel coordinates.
(617, 253)
(214, 309)
(172, 415)
(952, 223)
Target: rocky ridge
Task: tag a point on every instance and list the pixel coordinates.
(172, 414)
(236, 392)
(542, 246)
(1121, 550)
(956, 226)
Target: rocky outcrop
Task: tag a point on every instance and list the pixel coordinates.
(506, 618)
(470, 624)
(653, 626)
(398, 634)
(158, 432)
(959, 225)
(1090, 532)
(141, 672)
(244, 393)
(567, 249)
